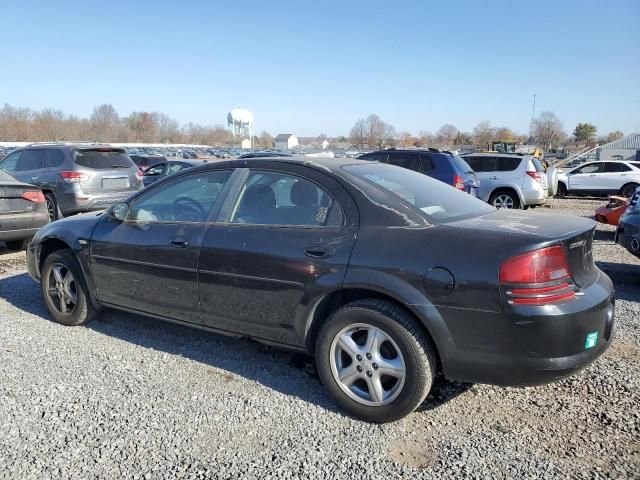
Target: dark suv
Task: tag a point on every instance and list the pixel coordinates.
(75, 177)
(441, 165)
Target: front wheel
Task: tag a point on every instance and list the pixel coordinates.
(64, 289)
(375, 360)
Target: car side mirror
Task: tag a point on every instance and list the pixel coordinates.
(119, 211)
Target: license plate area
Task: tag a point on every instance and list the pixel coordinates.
(115, 182)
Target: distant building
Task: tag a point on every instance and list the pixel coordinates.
(245, 144)
(286, 141)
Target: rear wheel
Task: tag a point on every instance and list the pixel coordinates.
(64, 289)
(17, 244)
(375, 360)
(52, 206)
(505, 199)
(628, 190)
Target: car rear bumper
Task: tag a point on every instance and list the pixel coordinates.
(76, 202)
(22, 225)
(534, 196)
(628, 235)
(531, 345)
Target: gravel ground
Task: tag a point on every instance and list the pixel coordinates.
(133, 397)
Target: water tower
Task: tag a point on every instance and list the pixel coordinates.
(240, 124)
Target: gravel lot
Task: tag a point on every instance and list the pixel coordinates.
(133, 397)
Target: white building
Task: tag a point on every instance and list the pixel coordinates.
(286, 141)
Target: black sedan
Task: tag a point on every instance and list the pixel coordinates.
(168, 167)
(387, 276)
(23, 211)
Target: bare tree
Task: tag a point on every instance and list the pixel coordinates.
(483, 134)
(265, 140)
(446, 135)
(548, 130)
(425, 139)
(104, 121)
(359, 133)
(405, 139)
(48, 125)
(613, 136)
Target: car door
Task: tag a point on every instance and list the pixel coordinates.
(615, 175)
(586, 178)
(484, 166)
(27, 165)
(50, 176)
(149, 261)
(282, 240)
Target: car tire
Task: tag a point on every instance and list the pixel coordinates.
(399, 346)
(628, 190)
(505, 199)
(58, 287)
(52, 207)
(17, 245)
(562, 190)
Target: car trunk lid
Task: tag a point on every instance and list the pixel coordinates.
(11, 198)
(106, 169)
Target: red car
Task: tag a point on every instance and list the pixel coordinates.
(612, 211)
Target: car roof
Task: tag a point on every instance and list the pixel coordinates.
(71, 145)
(497, 154)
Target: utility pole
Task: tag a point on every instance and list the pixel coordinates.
(533, 114)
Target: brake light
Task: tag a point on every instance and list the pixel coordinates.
(34, 196)
(458, 182)
(74, 177)
(539, 277)
(537, 176)
(139, 174)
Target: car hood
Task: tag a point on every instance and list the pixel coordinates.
(70, 229)
(527, 223)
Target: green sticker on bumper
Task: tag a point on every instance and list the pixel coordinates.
(592, 339)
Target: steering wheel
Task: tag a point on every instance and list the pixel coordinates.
(185, 206)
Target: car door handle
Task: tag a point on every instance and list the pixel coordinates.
(179, 242)
(317, 251)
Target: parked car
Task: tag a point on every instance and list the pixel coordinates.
(441, 165)
(601, 178)
(509, 180)
(628, 232)
(611, 212)
(386, 275)
(145, 161)
(75, 177)
(22, 211)
(169, 167)
(265, 154)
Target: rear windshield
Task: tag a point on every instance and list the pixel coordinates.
(461, 164)
(103, 159)
(435, 200)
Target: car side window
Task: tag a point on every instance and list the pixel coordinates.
(614, 167)
(427, 162)
(481, 164)
(186, 199)
(406, 160)
(53, 158)
(10, 162)
(274, 198)
(590, 168)
(507, 164)
(156, 170)
(175, 168)
(30, 160)
(374, 156)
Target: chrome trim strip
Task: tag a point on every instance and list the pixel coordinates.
(251, 277)
(144, 264)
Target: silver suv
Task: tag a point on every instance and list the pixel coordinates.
(509, 180)
(77, 177)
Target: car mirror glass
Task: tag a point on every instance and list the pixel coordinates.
(119, 211)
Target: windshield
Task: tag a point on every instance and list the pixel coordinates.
(103, 159)
(436, 200)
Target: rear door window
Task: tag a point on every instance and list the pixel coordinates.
(427, 162)
(481, 164)
(410, 161)
(53, 158)
(507, 164)
(103, 159)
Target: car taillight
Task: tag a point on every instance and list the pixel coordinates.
(34, 196)
(537, 176)
(458, 182)
(539, 277)
(74, 177)
(139, 174)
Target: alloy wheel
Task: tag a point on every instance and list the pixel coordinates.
(62, 289)
(367, 364)
(51, 209)
(503, 201)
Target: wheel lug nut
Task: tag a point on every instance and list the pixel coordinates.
(369, 374)
(359, 358)
(368, 356)
(375, 366)
(359, 369)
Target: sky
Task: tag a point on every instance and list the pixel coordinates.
(308, 67)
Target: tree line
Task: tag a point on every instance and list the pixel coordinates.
(106, 125)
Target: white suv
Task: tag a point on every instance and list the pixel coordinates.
(601, 178)
(509, 180)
